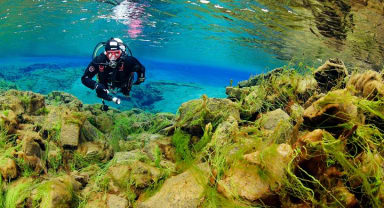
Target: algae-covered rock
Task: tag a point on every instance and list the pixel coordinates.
(237, 93)
(22, 102)
(17, 192)
(114, 201)
(56, 193)
(88, 132)
(63, 98)
(277, 125)
(31, 147)
(331, 74)
(133, 175)
(195, 114)
(225, 132)
(258, 79)
(8, 169)
(182, 191)
(97, 150)
(335, 108)
(271, 120)
(104, 123)
(259, 179)
(166, 148)
(253, 102)
(312, 157)
(9, 121)
(368, 84)
(133, 155)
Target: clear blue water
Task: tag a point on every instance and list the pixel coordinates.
(189, 48)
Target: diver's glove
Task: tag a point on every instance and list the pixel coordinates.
(102, 92)
(139, 80)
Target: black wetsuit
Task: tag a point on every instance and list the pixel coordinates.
(119, 77)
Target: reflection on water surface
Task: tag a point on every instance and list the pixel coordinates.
(221, 32)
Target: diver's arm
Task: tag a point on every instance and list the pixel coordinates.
(89, 73)
(140, 70)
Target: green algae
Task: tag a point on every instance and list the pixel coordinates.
(17, 193)
(205, 139)
(181, 142)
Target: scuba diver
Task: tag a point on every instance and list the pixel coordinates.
(115, 69)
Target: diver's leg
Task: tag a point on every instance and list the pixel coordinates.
(128, 85)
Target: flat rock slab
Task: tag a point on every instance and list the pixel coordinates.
(182, 191)
(69, 136)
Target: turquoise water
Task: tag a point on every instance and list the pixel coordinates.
(189, 48)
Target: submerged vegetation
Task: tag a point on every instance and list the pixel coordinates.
(281, 139)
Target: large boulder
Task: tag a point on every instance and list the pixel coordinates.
(331, 74)
(182, 191)
(260, 179)
(196, 114)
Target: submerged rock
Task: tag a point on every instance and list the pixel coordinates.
(9, 121)
(335, 108)
(258, 79)
(97, 150)
(8, 169)
(331, 74)
(226, 132)
(260, 179)
(63, 98)
(253, 103)
(277, 124)
(89, 132)
(135, 175)
(182, 191)
(114, 201)
(368, 84)
(57, 192)
(196, 114)
(69, 136)
(236, 93)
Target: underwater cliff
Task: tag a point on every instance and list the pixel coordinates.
(280, 139)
